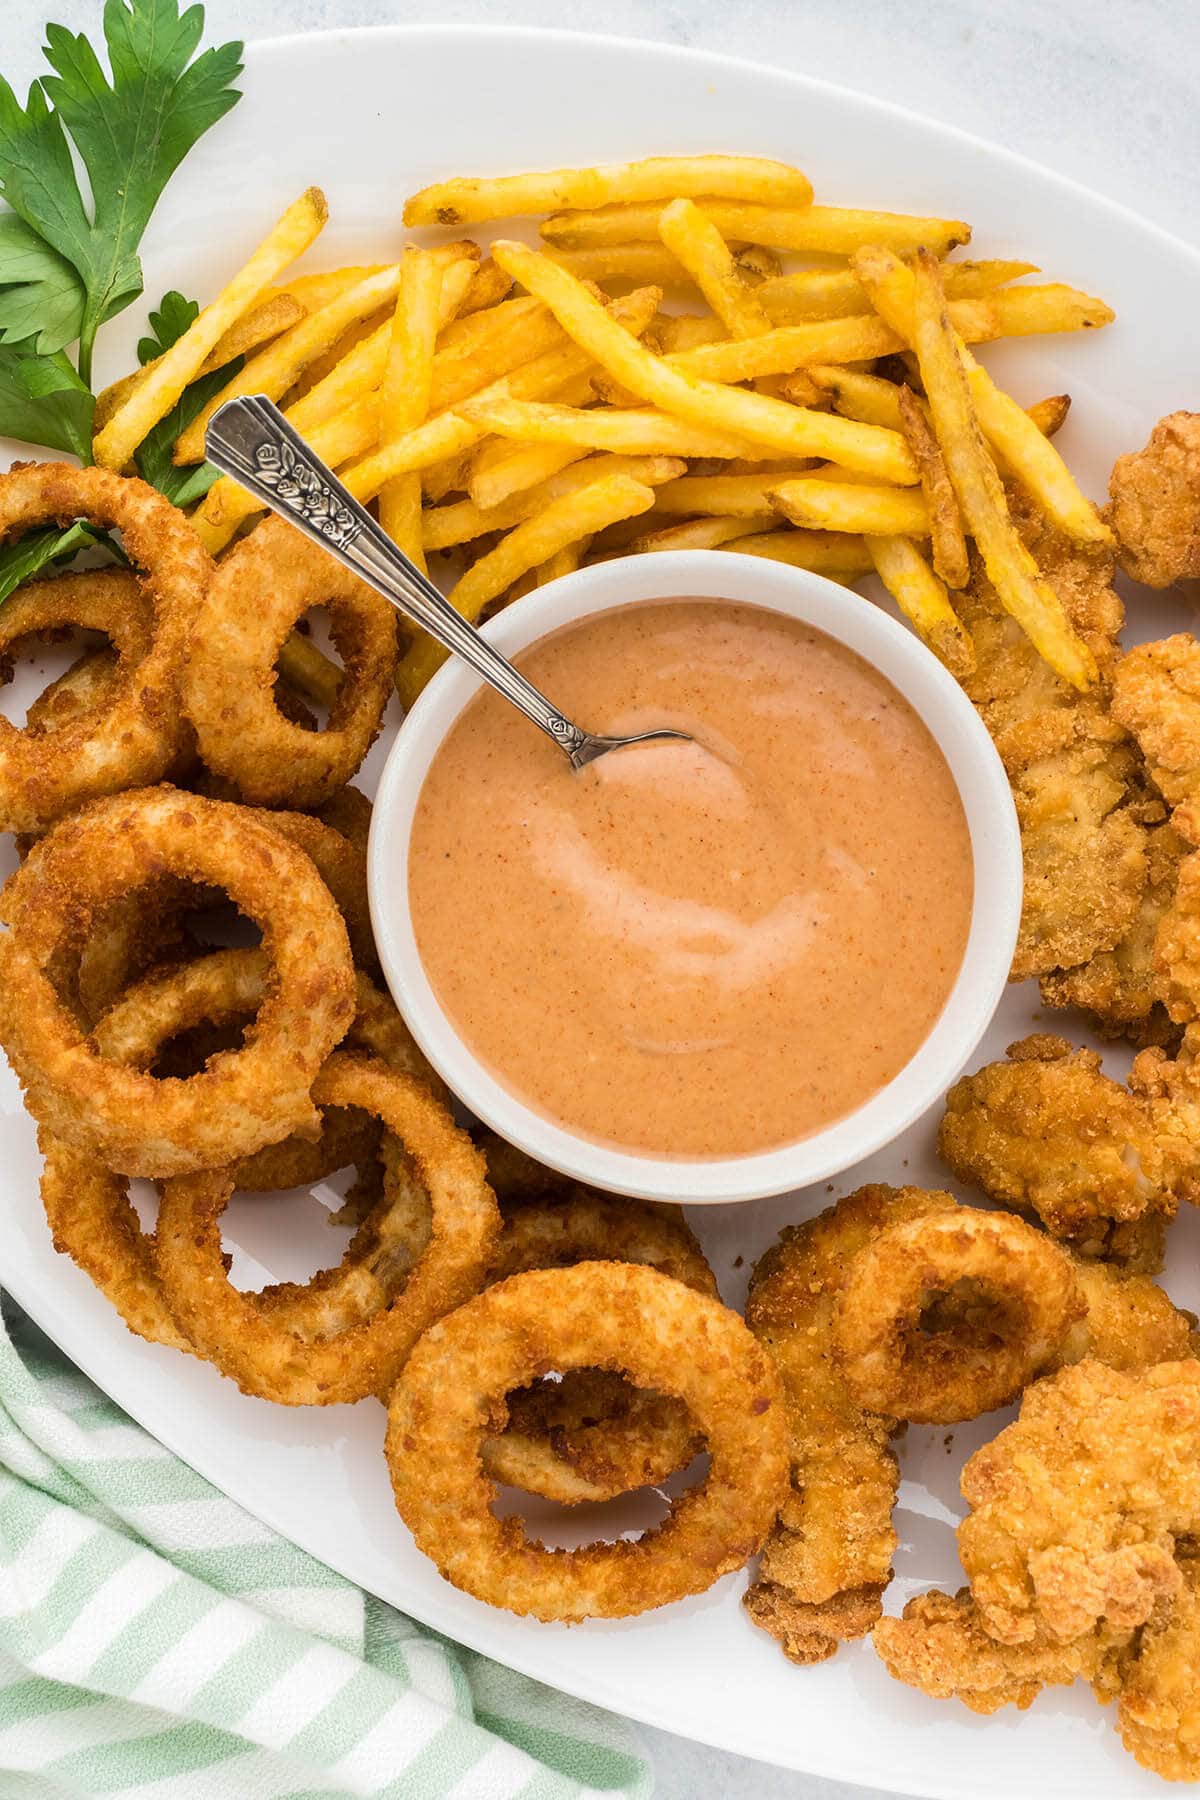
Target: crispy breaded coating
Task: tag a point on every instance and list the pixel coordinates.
(1073, 770)
(940, 1646)
(1047, 1132)
(1155, 504)
(1076, 1507)
(1158, 1677)
(828, 1560)
(1156, 697)
(1120, 989)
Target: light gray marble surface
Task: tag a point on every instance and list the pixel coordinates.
(1104, 90)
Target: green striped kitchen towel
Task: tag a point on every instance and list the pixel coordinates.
(158, 1643)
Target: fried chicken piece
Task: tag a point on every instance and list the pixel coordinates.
(1119, 989)
(1074, 773)
(939, 1645)
(1156, 697)
(828, 1559)
(1129, 1322)
(1075, 1508)
(1158, 1682)
(1155, 504)
(1048, 1133)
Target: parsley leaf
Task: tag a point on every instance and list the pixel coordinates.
(43, 401)
(131, 131)
(41, 296)
(40, 549)
(154, 458)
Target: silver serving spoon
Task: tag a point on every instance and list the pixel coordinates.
(250, 439)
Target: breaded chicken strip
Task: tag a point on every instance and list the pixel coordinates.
(1120, 989)
(1075, 774)
(1156, 697)
(1076, 1507)
(1155, 504)
(1045, 1131)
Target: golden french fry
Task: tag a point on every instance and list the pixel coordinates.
(307, 670)
(695, 241)
(315, 291)
(445, 526)
(833, 553)
(703, 534)
(948, 543)
(859, 396)
(563, 562)
(641, 263)
(756, 264)
(1011, 569)
(1005, 424)
(563, 522)
(501, 468)
(471, 201)
(835, 229)
(684, 331)
(640, 431)
(1010, 312)
(849, 506)
(1050, 414)
(837, 293)
(729, 496)
(458, 280)
(923, 600)
(404, 394)
(488, 286)
(255, 328)
(154, 397)
(730, 411)
(274, 370)
(796, 388)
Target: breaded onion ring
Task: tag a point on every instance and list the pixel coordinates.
(615, 1316)
(88, 1208)
(591, 1436)
(348, 1332)
(111, 601)
(950, 1315)
(245, 1098)
(262, 587)
(138, 733)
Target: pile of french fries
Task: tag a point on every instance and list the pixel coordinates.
(534, 409)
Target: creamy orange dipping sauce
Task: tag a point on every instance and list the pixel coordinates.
(703, 949)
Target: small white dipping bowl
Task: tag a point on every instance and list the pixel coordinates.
(995, 843)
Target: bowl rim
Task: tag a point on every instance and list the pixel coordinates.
(930, 689)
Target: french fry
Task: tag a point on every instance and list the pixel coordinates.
(447, 477)
(835, 229)
(695, 241)
(404, 394)
(488, 286)
(450, 433)
(640, 263)
(684, 331)
(458, 280)
(502, 468)
(563, 562)
(756, 263)
(948, 543)
(729, 411)
(702, 534)
(1011, 569)
(471, 202)
(796, 388)
(315, 291)
(274, 370)
(842, 506)
(153, 398)
(833, 553)
(1030, 455)
(923, 600)
(257, 327)
(858, 396)
(1010, 312)
(445, 526)
(563, 522)
(640, 431)
(838, 293)
(468, 334)
(308, 670)
(735, 496)
(1050, 414)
